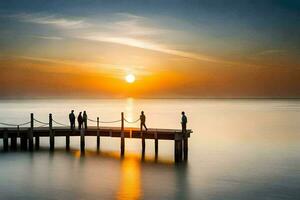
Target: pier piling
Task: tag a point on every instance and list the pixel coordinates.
(24, 143)
(5, 141)
(51, 133)
(82, 140)
(122, 135)
(98, 135)
(143, 141)
(156, 145)
(30, 133)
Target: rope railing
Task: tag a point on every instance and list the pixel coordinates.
(23, 124)
(61, 124)
(107, 122)
(91, 120)
(8, 124)
(114, 121)
(43, 124)
(131, 122)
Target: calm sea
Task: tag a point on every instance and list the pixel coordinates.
(240, 149)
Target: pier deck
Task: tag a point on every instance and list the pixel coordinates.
(30, 137)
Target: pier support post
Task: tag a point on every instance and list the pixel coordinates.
(68, 141)
(185, 148)
(51, 134)
(82, 139)
(98, 135)
(156, 145)
(24, 141)
(30, 134)
(122, 135)
(37, 142)
(14, 140)
(143, 141)
(13, 143)
(68, 138)
(5, 140)
(178, 147)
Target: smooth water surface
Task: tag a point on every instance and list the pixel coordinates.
(240, 149)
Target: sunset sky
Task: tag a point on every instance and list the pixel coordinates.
(174, 48)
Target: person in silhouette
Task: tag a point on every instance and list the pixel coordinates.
(143, 121)
(85, 119)
(80, 120)
(183, 122)
(72, 120)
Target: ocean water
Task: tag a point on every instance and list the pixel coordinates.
(239, 149)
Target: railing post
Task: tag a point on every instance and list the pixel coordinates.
(31, 133)
(122, 135)
(51, 133)
(98, 135)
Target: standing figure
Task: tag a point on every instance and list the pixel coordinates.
(80, 120)
(143, 120)
(72, 120)
(85, 119)
(183, 122)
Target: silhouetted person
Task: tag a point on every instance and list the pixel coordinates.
(84, 117)
(183, 122)
(72, 120)
(80, 120)
(143, 120)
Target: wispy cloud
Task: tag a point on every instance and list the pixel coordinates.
(112, 69)
(125, 29)
(149, 46)
(51, 20)
(48, 37)
(271, 51)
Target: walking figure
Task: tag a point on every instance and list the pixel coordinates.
(143, 121)
(72, 120)
(85, 119)
(183, 122)
(80, 120)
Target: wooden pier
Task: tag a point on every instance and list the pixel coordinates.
(30, 136)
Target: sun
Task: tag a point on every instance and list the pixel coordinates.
(130, 78)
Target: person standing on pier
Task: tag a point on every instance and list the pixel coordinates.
(72, 120)
(80, 120)
(85, 119)
(143, 120)
(183, 122)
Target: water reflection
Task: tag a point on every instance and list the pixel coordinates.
(130, 184)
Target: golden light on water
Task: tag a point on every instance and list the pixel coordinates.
(130, 187)
(130, 78)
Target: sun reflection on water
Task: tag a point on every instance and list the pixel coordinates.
(130, 184)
